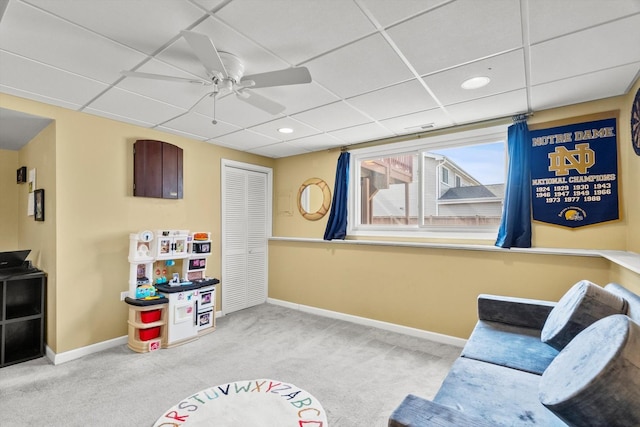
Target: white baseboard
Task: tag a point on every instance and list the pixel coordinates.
(58, 358)
(432, 336)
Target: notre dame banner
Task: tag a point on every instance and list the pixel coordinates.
(574, 173)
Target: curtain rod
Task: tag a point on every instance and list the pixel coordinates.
(399, 138)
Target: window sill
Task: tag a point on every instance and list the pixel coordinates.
(628, 260)
(425, 233)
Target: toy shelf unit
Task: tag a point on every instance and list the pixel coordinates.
(22, 317)
(199, 249)
(193, 269)
(147, 325)
(206, 309)
(170, 304)
(149, 247)
(171, 244)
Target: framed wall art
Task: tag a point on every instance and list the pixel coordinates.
(21, 175)
(38, 204)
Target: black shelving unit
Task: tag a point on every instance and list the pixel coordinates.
(22, 317)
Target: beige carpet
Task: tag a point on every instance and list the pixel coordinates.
(359, 374)
(256, 403)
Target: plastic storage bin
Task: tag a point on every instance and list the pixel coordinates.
(150, 316)
(149, 334)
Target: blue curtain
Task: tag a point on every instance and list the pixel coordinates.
(515, 226)
(337, 224)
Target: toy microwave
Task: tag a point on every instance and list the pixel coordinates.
(201, 247)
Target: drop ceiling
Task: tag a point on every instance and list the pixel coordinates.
(380, 68)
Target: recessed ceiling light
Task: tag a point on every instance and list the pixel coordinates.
(285, 130)
(475, 82)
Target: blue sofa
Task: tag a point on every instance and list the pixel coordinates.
(497, 380)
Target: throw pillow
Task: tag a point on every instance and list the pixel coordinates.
(595, 380)
(581, 306)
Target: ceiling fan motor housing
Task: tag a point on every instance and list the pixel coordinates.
(233, 66)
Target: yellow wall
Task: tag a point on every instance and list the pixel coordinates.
(85, 164)
(289, 174)
(94, 212)
(40, 236)
(9, 200)
(436, 289)
(430, 289)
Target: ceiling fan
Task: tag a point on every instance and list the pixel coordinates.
(226, 75)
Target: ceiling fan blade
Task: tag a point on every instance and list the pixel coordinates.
(259, 101)
(288, 76)
(206, 52)
(163, 77)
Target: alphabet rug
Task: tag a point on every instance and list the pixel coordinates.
(256, 403)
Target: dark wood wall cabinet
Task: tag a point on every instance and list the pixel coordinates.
(157, 169)
(22, 317)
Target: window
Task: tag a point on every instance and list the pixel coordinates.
(445, 175)
(428, 187)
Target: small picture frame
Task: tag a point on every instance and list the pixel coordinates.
(38, 204)
(21, 175)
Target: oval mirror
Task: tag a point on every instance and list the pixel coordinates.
(314, 199)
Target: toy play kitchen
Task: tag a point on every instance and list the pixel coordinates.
(188, 314)
(171, 300)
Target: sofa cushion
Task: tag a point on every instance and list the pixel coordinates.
(633, 300)
(507, 345)
(582, 305)
(501, 396)
(595, 380)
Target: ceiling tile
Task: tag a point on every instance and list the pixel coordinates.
(254, 57)
(553, 18)
(397, 100)
(210, 4)
(181, 133)
(590, 50)
(297, 98)
(460, 32)
(361, 133)
(72, 49)
(127, 104)
(25, 75)
(418, 122)
(36, 97)
(502, 105)
(304, 28)
(117, 117)
(388, 12)
(222, 128)
(180, 55)
(331, 117)
(505, 71)
(282, 149)
(198, 125)
(600, 84)
(271, 129)
(146, 25)
(321, 141)
(244, 140)
(365, 65)
(234, 111)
